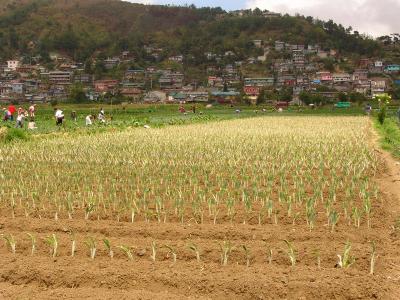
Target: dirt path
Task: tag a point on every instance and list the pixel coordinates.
(389, 183)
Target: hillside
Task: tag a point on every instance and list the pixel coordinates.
(83, 29)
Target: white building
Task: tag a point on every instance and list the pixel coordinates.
(341, 77)
(12, 64)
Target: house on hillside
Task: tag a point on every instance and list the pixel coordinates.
(177, 97)
(270, 14)
(341, 77)
(376, 67)
(364, 63)
(286, 80)
(392, 69)
(133, 94)
(360, 74)
(12, 65)
(279, 46)
(111, 63)
(225, 97)
(104, 86)
(17, 87)
(60, 77)
(252, 93)
(197, 96)
(215, 81)
(259, 82)
(324, 76)
(176, 58)
(83, 78)
(155, 97)
(171, 81)
(257, 43)
(379, 85)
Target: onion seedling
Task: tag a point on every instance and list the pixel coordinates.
(333, 219)
(107, 243)
(153, 251)
(226, 249)
(346, 260)
(89, 209)
(247, 253)
(317, 254)
(10, 241)
(196, 250)
(127, 251)
(33, 242)
(91, 244)
(73, 244)
(373, 258)
(172, 251)
(53, 244)
(269, 254)
(291, 253)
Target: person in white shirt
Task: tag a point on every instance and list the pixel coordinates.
(20, 120)
(102, 116)
(32, 111)
(88, 120)
(59, 115)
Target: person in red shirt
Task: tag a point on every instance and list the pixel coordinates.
(12, 111)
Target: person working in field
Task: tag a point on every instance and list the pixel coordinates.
(6, 115)
(20, 118)
(88, 120)
(74, 116)
(12, 111)
(31, 110)
(102, 116)
(59, 115)
(368, 109)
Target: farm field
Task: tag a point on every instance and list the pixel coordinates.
(124, 116)
(278, 207)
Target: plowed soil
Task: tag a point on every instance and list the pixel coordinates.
(23, 276)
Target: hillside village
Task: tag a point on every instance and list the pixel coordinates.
(293, 73)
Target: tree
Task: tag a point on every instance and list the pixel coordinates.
(261, 97)
(318, 99)
(329, 64)
(396, 93)
(356, 97)
(246, 99)
(99, 69)
(306, 97)
(225, 87)
(285, 94)
(342, 97)
(88, 66)
(77, 94)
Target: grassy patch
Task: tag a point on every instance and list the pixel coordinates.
(8, 135)
(390, 135)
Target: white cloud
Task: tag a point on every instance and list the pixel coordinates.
(375, 17)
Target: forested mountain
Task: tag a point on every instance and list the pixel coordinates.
(90, 28)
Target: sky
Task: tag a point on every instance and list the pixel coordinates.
(374, 17)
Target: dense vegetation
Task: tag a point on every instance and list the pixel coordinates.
(84, 29)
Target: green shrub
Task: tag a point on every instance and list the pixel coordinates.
(9, 135)
(382, 115)
(54, 102)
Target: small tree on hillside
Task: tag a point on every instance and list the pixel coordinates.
(305, 97)
(261, 97)
(343, 97)
(77, 94)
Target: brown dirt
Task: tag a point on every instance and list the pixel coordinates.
(23, 276)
